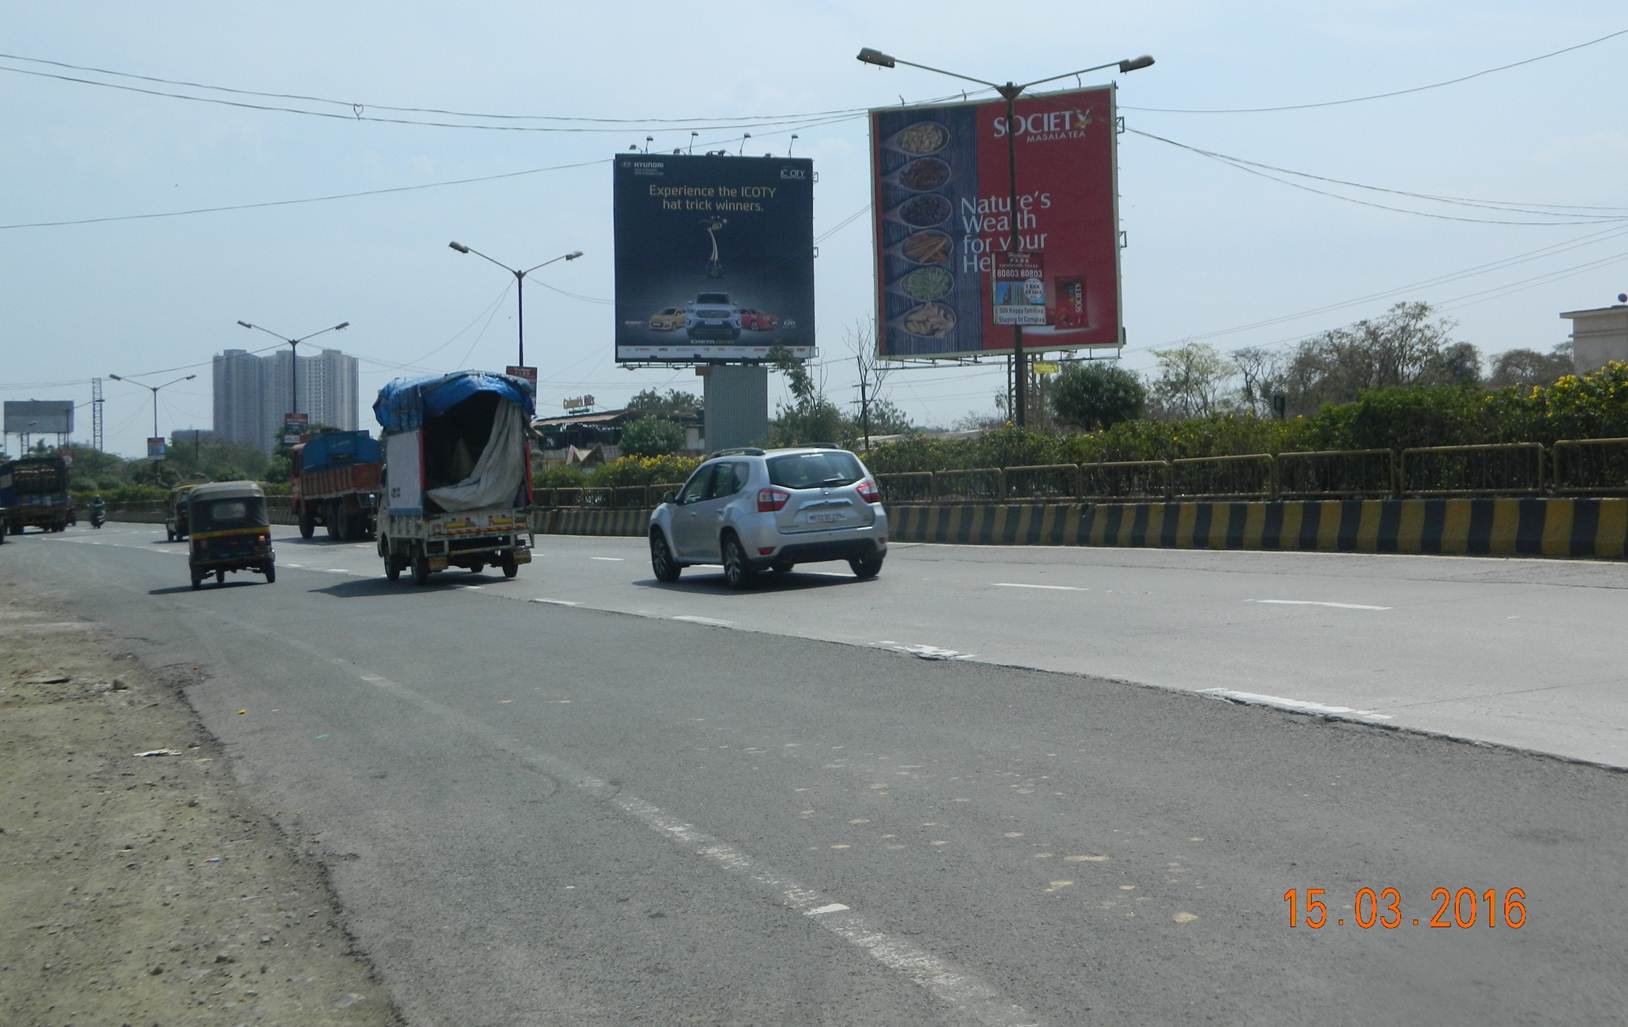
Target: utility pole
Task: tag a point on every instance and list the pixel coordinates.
(96, 439)
(864, 402)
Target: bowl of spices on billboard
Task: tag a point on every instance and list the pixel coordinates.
(918, 270)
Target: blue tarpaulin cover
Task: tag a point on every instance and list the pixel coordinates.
(339, 448)
(405, 402)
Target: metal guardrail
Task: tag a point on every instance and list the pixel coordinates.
(1126, 480)
(973, 483)
(597, 498)
(1043, 481)
(568, 497)
(907, 487)
(629, 497)
(1595, 467)
(1250, 476)
(1506, 469)
(1337, 474)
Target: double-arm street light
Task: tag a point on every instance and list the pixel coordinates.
(294, 362)
(154, 389)
(519, 288)
(1010, 92)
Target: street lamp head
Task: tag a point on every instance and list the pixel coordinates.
(1136, 64)
(876, 57)
(115, 378)
(573, 255)
(245, 324)
(341, 326)
(460, 247)
(189, 377)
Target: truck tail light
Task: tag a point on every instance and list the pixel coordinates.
(869, 492)
(771, 500)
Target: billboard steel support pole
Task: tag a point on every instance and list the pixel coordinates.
(1020, 397)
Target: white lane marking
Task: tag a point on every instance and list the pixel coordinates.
(923, 651)
(964, 991)
(608, 559)
(709, 621)
(557, 602)
(1293, 705)
(1053, 588)
(298, 566)
(1314, 602)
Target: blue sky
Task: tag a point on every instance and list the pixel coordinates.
(1211, 247)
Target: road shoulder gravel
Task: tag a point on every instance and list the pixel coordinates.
(146, 888)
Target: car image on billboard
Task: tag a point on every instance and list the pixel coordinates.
(714, 257)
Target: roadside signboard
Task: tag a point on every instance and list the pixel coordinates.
(528, 373)
(155, 448)
(1019, 289)
(714, 257)
(942, 215)
(39, 417)
(294, 427)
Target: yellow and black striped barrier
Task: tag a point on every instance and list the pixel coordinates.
(1487, 527)
(572, 521)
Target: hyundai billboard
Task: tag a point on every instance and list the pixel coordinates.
(942, 209)
(39, 416)
(714, 257)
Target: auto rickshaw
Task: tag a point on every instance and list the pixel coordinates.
(175, 512)
(230, 531)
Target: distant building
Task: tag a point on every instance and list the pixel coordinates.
(1598, 336)
(251, 393)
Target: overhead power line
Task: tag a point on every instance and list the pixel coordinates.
(354, 105)
(1385, 95)
(1255, 168)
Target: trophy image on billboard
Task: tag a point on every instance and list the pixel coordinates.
(715, 267)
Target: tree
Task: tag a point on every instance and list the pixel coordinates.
(1263, 377)
(676, 405)
(652, 436)
(1407, 346)
(1191, 380)
(1097, 395)
(1458, 364)
(1528, 367)
(810, 416)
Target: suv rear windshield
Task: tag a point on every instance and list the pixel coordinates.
(812, 470)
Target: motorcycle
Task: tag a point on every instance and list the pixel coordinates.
(96, 518)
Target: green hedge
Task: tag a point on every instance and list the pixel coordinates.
(1575, 407)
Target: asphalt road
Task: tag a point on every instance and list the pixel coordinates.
(537, 813)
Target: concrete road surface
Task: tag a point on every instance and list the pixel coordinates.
(662, 805)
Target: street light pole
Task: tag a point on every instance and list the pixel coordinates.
(519, 286)
(154, 389)
(294, 358)
(1010, 92)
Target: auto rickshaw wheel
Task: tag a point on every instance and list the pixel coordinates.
(220, 576)
(197, 581)
(271, 573)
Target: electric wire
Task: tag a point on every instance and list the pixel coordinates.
(1384, 95)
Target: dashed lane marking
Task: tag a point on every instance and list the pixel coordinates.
(1294, 705)
(1314, 602)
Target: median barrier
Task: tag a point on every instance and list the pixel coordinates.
(1485, 527)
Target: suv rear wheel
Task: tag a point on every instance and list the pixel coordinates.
(866, 566)
(737, 568)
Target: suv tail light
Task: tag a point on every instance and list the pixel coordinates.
(869, 492)
(771, 500)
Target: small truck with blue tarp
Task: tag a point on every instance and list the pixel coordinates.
(457, 473)
(334, 481)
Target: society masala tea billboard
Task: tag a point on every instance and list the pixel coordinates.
(941, 203)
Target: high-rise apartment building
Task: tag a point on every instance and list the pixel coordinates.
(252, 394)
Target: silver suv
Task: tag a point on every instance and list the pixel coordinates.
(756, 510)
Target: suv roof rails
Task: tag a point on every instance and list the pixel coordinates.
(737, 451)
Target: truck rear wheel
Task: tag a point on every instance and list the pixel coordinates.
(421, 568)
(308, 523)
(510, 567)
(332, 518)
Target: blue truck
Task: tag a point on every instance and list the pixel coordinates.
(334, 481)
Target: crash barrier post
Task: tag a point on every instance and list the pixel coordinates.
(1595, 467)
(1251, 476)
(1126, 480)
(1502, 469)
(1337, 474)
(973, 483)
(1043, 481)
(907, 487)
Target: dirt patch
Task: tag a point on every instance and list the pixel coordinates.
(146, 889)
